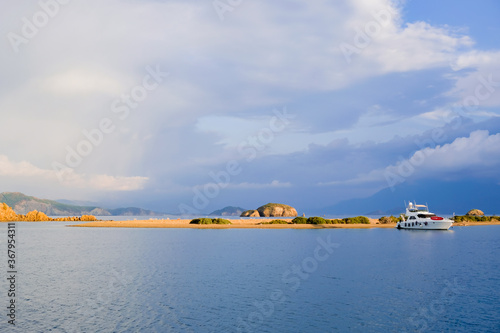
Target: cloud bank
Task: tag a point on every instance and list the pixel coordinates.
(363, 83)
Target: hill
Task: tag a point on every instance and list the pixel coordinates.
(23, 204)
(133, 211)
(228, 211)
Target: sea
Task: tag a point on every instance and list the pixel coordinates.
(67, 279)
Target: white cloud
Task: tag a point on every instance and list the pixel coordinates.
(257, 186)
(112, 183)
(475, 59)
(82, 81)
(477, 151)
(477, 156)
(32, 174)
(249, 186)
(425, 45)
(20, 169)
(479, 85)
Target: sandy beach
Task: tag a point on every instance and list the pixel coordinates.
(242, 223)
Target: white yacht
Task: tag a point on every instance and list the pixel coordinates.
(419, 217)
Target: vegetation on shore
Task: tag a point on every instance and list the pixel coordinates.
(389, 219)
(472, 218)
(277, 222)
(206, 220)
(321, 220)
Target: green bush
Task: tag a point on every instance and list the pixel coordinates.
(221, 221)
(316, 220)
(276, 222)
(357, 220)
(389, 219)
(206, 220)
(466, 218)
(299, 220)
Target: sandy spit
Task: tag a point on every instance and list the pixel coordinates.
(236, 223)
(243, 223)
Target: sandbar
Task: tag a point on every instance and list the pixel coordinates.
(243, 223)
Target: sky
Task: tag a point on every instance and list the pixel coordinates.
(191, 106)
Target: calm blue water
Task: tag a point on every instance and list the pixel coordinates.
(253, 280)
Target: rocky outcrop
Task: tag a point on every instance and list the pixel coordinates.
(250, 213)
(7, 214)
(271, 210)
(474, 212)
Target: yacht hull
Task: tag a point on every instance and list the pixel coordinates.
(425, 225)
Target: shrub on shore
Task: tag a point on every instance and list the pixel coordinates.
(389, 219)
(203, 220)
(321, 220)
(350, 220)
(299, 220)
(357, 220)
(206, 220)
(276, 222)
(471, 218)
(316, 220)
(221, 221)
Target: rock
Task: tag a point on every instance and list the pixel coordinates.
(35, 216)
(475, 212)
(271, 210)
(277, 210)
(7, 214)
(250, 213)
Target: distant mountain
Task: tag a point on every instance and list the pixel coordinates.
(441, 196)
(133, 211)
(78, 203)
(22, 204)
(228, 211)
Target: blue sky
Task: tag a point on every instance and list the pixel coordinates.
(190, 106)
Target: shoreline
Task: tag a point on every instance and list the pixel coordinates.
(244, 224)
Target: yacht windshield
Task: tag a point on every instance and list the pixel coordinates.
(423, 216)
